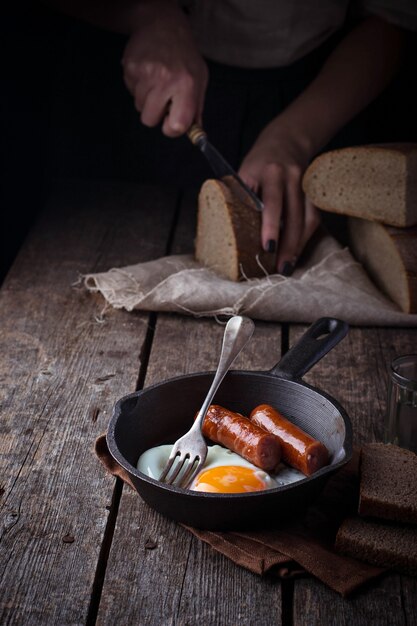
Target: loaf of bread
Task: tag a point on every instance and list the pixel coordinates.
(389, 255)
(388, 483)
(375, 182)
(229, 233)
(387, 545)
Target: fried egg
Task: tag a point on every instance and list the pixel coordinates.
(223, 471)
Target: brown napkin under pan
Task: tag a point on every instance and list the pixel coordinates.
(300, 547)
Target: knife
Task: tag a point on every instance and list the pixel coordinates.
(218, 164)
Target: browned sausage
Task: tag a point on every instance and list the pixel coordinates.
(298, 449)
(240, 435)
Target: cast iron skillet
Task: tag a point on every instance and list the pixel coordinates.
(162, 412)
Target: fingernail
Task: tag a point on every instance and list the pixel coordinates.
(271, 245)
(287, 268)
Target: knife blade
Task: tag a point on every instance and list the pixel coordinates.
(218, 163)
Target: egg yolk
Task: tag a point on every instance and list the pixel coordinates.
(229, 479)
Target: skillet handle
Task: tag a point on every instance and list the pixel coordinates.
(316, 342)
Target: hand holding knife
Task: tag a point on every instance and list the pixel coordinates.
(219, 165)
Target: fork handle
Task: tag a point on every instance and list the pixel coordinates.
(238, 331)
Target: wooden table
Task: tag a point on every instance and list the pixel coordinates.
(75, 542)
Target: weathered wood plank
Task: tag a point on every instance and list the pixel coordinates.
(409, 595)
(195, 588)
(186, 226)
(159, 574)
(381, 605)
(356, 374)
(60, 373)
(184, 581)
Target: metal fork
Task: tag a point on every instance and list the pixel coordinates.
(190, 451)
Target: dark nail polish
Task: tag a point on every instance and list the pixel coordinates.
(287, 268)
(271, 245)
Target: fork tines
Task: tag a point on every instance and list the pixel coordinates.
(185, 470)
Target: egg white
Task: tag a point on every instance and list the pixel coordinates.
(152, 462)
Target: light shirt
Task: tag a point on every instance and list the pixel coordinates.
(275, 33)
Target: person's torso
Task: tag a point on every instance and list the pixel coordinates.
(263, 33)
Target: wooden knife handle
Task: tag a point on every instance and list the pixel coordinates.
(196, 133)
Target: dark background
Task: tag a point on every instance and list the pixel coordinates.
(65, 112)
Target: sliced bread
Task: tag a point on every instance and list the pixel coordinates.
(388, 483)
(387, 545)
(375, 182)
(390, 257)
(229, 233)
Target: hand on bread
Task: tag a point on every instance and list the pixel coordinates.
(280, 155)
(274, 168)
(164, 71)
(167, 76)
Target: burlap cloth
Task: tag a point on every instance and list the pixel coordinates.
(298, 548)
(327, 282)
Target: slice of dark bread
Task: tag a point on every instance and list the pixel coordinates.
(390, 257)
(387, 545)
(228, 239)
(388, 483)
(376, 182)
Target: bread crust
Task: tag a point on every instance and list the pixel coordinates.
(388, 546)
(390, 257)
(249, 260)
(385, 532)
(388, 484)
(376, 182)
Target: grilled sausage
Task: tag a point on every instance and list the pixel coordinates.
(298, 449)
(242, 436)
